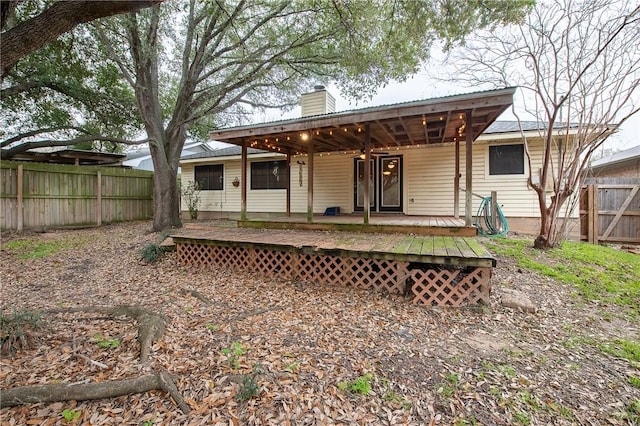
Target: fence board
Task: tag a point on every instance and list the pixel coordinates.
(610, 210)
(61, 195)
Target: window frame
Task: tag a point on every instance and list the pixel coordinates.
(210, 178)
(522, 169)
(260, 170)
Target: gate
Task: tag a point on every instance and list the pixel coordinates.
(610, 210)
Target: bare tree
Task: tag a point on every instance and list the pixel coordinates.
(578, 66)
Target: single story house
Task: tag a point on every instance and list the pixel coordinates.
(435, 157)
(140, 157)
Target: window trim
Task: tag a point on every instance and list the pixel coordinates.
(220, 185)
(488, 174)
(268, 188)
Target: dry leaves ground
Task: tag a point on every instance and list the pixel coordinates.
(308, 349)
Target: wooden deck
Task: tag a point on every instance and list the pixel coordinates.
(436, 270)
(387, 223)
(461, 251)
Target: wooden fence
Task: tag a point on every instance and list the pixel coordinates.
(610, 210)
(38, 195)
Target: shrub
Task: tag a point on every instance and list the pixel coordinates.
(17, 330)
(191, 194)
(151, 252)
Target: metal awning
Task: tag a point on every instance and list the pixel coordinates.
(424, 122)
(450, 119)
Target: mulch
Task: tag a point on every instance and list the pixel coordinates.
(303, 344)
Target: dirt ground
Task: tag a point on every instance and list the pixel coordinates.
(299, 353)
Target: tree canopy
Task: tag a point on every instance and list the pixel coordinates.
(36, 32)
(192, 66)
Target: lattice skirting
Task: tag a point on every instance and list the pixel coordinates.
(450, 287)
(440, 286)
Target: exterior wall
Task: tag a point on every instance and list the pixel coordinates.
(428, 174)
(331, 183)
(627, 169)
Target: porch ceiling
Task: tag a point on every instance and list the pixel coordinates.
(422, 122)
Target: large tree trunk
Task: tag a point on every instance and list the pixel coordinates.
(166, 198)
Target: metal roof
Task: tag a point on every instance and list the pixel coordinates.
(618, 157)
(513, 126)
(413, 123)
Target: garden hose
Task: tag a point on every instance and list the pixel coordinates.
(485, 222)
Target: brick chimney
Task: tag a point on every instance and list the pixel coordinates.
(317, 102)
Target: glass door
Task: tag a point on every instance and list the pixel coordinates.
(390, 184)
(386, 184)
(359, 190)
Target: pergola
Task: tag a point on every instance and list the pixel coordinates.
(448, 119)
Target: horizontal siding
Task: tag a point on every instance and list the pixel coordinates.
(335, 174)
(428, 184)
(429, 176)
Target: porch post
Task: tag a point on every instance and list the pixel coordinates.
(456, 183)
(310, 154)
(468, 204)
(367, 174)
(243, 181)
(289, 183)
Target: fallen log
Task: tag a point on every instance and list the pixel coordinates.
(82, 392)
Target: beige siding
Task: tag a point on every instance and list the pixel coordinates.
(428, 174)
(226, 200)
(316, 103)
(332, 184)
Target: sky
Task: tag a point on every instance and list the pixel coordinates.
(429, 84)
(422, 86)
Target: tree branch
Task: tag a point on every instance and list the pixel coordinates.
(61, 17)
(11, 152)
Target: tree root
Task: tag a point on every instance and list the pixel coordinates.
(150, 325)
(83, 392)
(244, 315)
(196, 294)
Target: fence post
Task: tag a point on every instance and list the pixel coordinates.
(494, 208)
(592, 214)
(99, 199)
(19, 199)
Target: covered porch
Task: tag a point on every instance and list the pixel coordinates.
(384, 223)
(377, 223)
(379, 141)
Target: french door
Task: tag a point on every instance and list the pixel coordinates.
(386, 184)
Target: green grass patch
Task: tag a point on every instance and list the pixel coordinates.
(361, 385)
(33, 249)
(625, 349)
(597, 272)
